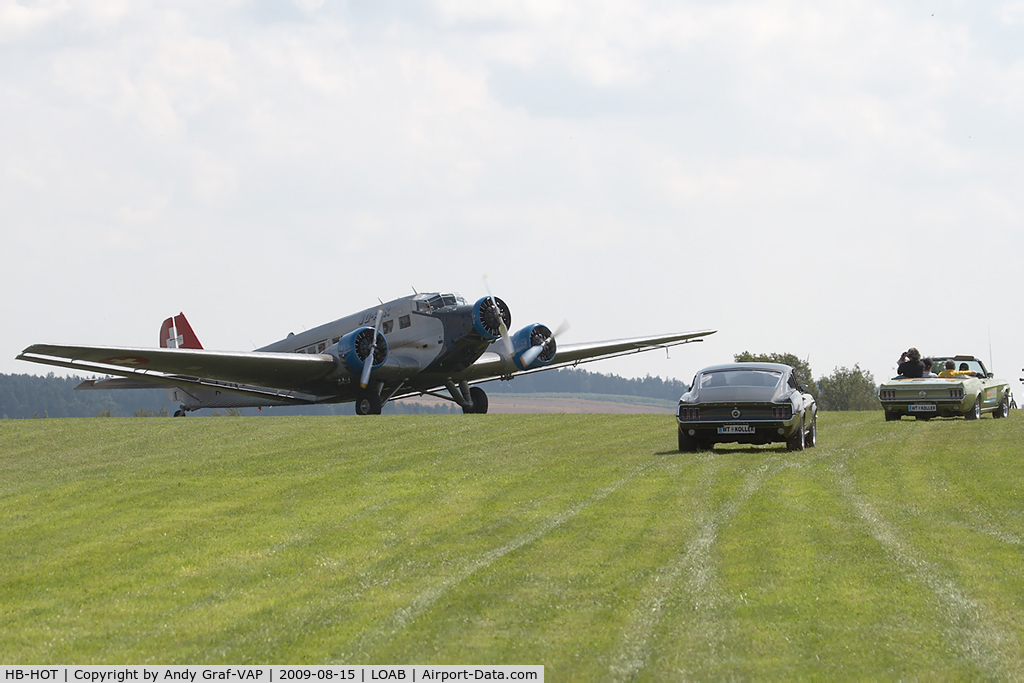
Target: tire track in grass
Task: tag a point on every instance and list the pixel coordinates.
(696, 564)
(968, 627)
(401, 618)
(696, 569)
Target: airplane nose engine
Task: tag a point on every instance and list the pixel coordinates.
(534, 347)
(352, 349)
(488, 314)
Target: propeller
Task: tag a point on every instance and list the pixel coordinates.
(531, 354)
(501, 321)
(364, 379)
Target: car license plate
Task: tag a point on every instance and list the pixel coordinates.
(736, 429)
(921, 407)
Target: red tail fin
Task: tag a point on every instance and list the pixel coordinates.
(176, 333)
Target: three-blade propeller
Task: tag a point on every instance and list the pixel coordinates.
(364, 379)
(531, 354)
(501, 321)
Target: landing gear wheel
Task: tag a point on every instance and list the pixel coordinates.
(975, 412)
(796, 442)
(368, 403)
(811, 438)
(179, 413)
(1003, 409)
(479, 398)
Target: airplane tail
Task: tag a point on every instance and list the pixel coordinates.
(176, 333)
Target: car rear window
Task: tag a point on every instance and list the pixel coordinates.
(740, 378)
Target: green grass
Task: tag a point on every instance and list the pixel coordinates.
(585, 543)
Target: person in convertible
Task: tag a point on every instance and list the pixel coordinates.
(910, 364)
(951, 371)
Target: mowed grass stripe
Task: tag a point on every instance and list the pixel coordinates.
(403, 617)
(581, 542)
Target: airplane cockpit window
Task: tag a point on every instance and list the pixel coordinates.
(433, 302)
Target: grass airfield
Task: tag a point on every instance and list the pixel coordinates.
(585, 543)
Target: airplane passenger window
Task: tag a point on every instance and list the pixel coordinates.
(404, 322)
(387, 326)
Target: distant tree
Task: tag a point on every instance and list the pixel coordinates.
(105, 413)
(22, 396)
(801, 368)
(848, 389)
(234, 412)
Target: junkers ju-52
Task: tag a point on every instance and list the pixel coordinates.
(418, 344)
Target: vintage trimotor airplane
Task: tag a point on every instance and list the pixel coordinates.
(415, 345)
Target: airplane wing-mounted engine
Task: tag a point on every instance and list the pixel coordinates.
(534, 347)
(490, 315)
(353, 349)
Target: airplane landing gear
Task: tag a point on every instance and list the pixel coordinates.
(368, 403)
(179, 412)
(479, 398)
(472, 399)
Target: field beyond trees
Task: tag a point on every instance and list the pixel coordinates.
(585, 543)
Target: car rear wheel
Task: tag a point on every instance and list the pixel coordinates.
(796, 442)
(975, 412)
(687, 444)
(1003, 409)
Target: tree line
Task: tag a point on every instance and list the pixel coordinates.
(845, 389)
(28, 396)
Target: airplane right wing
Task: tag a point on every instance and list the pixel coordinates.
(566, 354)
(492, 365)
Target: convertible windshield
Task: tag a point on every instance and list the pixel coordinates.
(740, 378)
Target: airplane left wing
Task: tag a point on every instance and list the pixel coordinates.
(261, 369)
(492, 365)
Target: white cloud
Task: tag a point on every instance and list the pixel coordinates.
(763, 168)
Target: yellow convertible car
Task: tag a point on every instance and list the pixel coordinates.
(968, 395)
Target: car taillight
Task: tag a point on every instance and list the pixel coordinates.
(782, 412)
(689, 413)
(956, 393)
(888, 394)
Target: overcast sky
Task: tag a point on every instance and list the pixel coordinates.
(835, 180)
